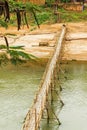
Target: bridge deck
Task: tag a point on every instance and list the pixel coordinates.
(34, 115)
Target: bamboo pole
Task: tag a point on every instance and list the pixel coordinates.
(39, 104)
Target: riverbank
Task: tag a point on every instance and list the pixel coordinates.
(75, 45)
(41, 41)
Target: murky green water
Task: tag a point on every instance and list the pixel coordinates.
(17, 90)
(73, 115)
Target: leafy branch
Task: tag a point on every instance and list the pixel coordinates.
(14, 54)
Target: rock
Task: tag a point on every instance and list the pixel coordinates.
(43, 44)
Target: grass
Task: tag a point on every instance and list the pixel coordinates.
(73, 16)
(45, 15)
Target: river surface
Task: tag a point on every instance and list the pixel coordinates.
(18, 85)
(73, 115)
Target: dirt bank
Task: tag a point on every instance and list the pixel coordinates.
(41, 42)
(75, 46)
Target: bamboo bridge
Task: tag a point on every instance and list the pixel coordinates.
(33, 117)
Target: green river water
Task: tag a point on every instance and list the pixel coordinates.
(19, 84)
(73, 115)
(17, 90)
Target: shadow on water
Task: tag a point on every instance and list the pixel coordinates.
(73, 115)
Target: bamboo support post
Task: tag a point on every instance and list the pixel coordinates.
(35, 120)
(51, 94)
(59, 98)
(60, 87)
(59, 123)
(47, 114)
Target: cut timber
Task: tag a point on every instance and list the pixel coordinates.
(32, 120)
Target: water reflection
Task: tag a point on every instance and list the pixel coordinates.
(73, 115)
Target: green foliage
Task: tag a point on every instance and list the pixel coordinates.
(44, 16)
(18, 54)
(3, 23)
(13, 47)
(3, 59)
(73, 16)
(65, 1)
(49, 2)
(3, 47)
(16, 61)
(13, 5)
(17, 47)
(30, 6)
(11, 34)
(15, 56)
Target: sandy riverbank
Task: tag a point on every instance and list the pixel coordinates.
(41, 42)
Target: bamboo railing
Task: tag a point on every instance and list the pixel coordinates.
(34, 115)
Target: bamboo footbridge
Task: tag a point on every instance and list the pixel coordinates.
(33, 117)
